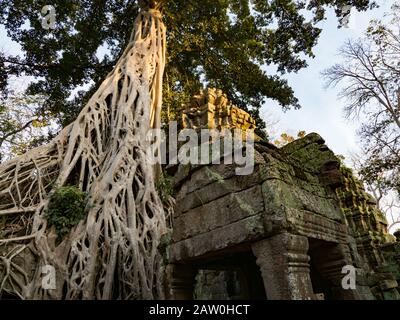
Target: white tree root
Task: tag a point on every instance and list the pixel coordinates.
(113, 252)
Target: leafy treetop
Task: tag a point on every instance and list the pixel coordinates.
(224, 43)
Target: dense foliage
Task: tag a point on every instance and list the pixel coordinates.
(67, 207)
(224, 43)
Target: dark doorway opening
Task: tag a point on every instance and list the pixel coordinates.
(321, 259)
(235, 277)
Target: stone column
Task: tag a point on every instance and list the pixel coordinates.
(285, 268)
(181, 281)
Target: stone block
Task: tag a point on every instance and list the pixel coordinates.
(246, 230)
(223, 211)
(219, 188)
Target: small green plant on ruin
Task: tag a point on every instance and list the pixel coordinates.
(67, 207)
(165, 187)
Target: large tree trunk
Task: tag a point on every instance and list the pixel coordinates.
(113, 252)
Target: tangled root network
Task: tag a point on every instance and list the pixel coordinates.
(112, 253)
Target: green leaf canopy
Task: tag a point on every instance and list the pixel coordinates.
(224, 43)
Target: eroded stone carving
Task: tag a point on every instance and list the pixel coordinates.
(211, 109)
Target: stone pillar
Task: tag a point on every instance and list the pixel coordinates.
(285, 268)
(181, 281)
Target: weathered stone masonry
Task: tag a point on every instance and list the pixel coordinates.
(283, 232)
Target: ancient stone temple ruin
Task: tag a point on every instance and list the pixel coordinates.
(286, 231)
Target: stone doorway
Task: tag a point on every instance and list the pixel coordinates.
(232, 275)
(326, 262)
(235, 277)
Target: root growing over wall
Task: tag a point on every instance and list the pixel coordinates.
(113, 252)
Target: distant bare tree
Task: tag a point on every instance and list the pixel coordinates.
(370, 79)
